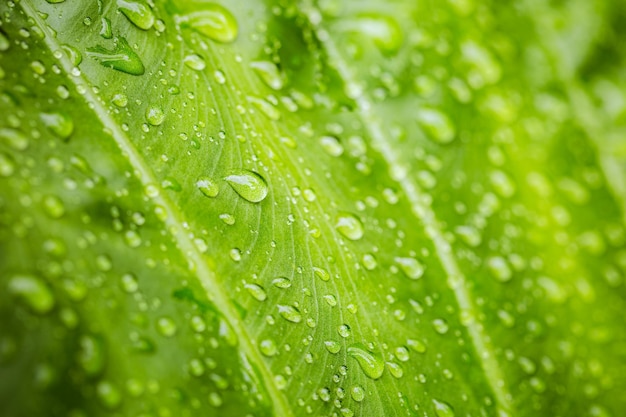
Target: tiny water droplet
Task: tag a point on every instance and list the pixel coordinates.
(331, 145)
(214, 22)
(121, 57)
(269, 73)
(33, 291)
(371, 364)
(155, 115)
(256, 291)
(138, 12)
(207, 186)
(411, 267)
(442, 409)
(228, 219)
(499, 268)
(59, 123)
(248, 184)
(441, 326)
(349, 226)
(14, 138)
(290, 313)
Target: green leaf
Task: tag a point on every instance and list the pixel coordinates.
(312, 208)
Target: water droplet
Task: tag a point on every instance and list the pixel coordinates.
(207, 186)
(344, 330)
(502, 183)
(120, 100)
(437, 125)
(331, 145)
(33, 291)
(91, 355)
(59, 123)
(290, 313)
(470, 235)
(402, 353)
(411, 267)
(321, 273)
(195, 62)
(228, 219)
(369, 261)
(281, 282)
(196, 367)
(105, 30)
(215, 399)
(441, 326)
(129, 283)
(248, 184)
(499, 268)
(53, 206)
(235, 254)
(357, 393)
(395, 370)
(442, 409)
(214, 22)
(121, 57)
(155, 115)
(7, 165)
(73, 54)
(4, 42)
(166, 326)
(349, 226)
(14, 138)
(256, 291)
(109, 395)
(330, 299)
(371, 364)
(38, 67)
(198, 324)
(332, 346)
(265, 107)
(138, 12)
(269, 73)
(268, 347)
(383, 30)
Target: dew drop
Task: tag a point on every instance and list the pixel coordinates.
(166, 326)
(437, 125)
(395, 370)
(371, 364)
(235, 254)
(402, 353)
(331, 145)
(138, 12)
(369, 261)
(33, 291)
(411, 267)
(256, 291)
(349, 226)
(120, 100)
(290, 313)
(357, 393)
(344, 330)
(195, 62)
(268, 347)
(155, 115)
(321, 273)
(207, 187)
(14, 138)
(281, 282)
(248, 184)
(59, 123)
(442, 409)
(440, 326)
(121, 57)
(269, 73)
(214, 22)
(332, 346)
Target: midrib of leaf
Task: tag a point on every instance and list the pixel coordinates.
(173, 221)
(423, 212)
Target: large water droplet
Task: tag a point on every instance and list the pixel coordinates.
(290, 313)
(269, 73)
(214, 22)
(59, 123)
(249, 185)
(349, 226)
(411, 267)
(121, 57)
(138, 12)
(33, 291)
(371, 364)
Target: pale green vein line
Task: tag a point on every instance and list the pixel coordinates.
(173, 222)
(423, 212)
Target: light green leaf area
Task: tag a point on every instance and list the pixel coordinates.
(277, 208)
